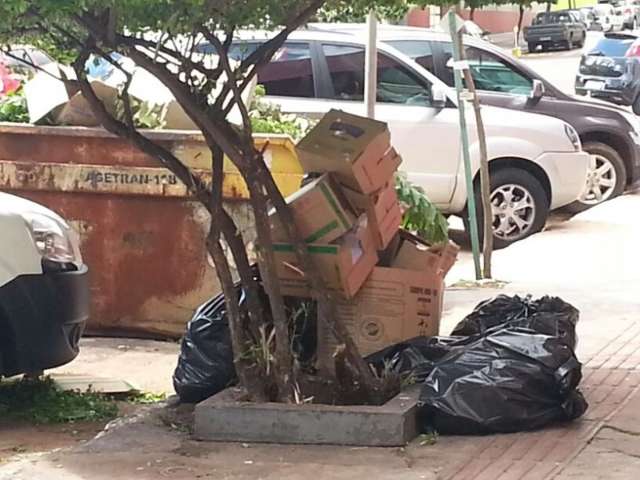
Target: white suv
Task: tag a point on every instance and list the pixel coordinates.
(536, 161)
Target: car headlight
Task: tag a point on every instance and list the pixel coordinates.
(53, 239)
(573, 137)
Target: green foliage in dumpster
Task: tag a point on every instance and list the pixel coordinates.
(40, 401)
(421, 216)
(13, 108)
(267, 117)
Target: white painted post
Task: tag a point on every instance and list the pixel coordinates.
(371, 65)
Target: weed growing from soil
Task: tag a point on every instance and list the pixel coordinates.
(40, 401)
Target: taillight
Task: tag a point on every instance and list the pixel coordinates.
(634, 50)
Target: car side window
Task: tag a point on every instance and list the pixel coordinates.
(290, 72)
(418, 50)
(490, 73)
(396, 83)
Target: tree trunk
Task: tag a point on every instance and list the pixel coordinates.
(267, 265)
(548, 6)
(325, 299)
(472, 12)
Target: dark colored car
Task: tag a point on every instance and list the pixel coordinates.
(609, 133)
(611, 70)
(563, 28)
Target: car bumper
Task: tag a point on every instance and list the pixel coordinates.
(616, 90)
(567, 172)
(44, 316)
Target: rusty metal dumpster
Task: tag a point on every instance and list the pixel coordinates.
(141, 236)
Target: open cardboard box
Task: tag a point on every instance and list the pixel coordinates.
(355, 149)
(397, 302)
(382, 209)
(321, 213)
(344, 265)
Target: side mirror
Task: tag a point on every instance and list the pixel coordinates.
(537, 89)
(438, 97)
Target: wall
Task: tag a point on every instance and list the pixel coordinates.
(495, 20)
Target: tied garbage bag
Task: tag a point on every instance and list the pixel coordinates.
(510, 380)
(549, 315)
(205, 365)
(415, 358)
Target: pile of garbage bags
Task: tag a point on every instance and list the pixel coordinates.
(508, 366)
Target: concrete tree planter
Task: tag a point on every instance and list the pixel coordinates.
(224, 418)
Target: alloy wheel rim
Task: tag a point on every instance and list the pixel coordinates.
(601, 181)
(514, 211)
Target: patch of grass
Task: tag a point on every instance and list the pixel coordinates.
(40, 401)
(145, 398)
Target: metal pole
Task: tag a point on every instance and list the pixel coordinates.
(371, 65)
(464, 138)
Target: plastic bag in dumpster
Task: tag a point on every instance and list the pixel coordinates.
(510, 380)
(205, 365)
(549, 315)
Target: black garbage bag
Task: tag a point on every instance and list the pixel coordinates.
(509, 380)
(549, 315)
(205, 365)
(414, 358)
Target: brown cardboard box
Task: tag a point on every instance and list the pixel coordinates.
(393, 305)
(344, 265)
(397, 303)
(356, 149)
(321, 213)
(383, 212)
(415, 254)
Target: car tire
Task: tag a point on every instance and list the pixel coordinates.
(617, 175)
(584, 38)
(531, 47)
(525, 188)
(635, 106)
(570, 43)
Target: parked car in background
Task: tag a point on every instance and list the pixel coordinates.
(610, 134)
(44, 291)
(562, 28)
(587, 17)
(630, 11)
(536, 162)
(607, 18)
(611, 70)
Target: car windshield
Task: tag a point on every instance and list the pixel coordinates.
(612, 47)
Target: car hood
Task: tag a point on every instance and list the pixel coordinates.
(13, 205)
(508, 122)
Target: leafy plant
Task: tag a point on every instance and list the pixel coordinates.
(40, 401)
(268, 118)
(13, 108)
(421, 216)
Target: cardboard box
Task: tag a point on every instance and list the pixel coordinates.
(320, 211)
(415, 254)
(344, 265)
(396, 303)
(356, 149)
(393, 305)
(383, 212)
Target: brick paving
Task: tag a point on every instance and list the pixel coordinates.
(611, 374)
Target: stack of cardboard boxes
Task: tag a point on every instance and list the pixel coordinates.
(389, 282)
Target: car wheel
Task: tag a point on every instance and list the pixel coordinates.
(606, 177)
(635, 106)
(519, 204)
(531, 47)
(584, 38)
(570, 44)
